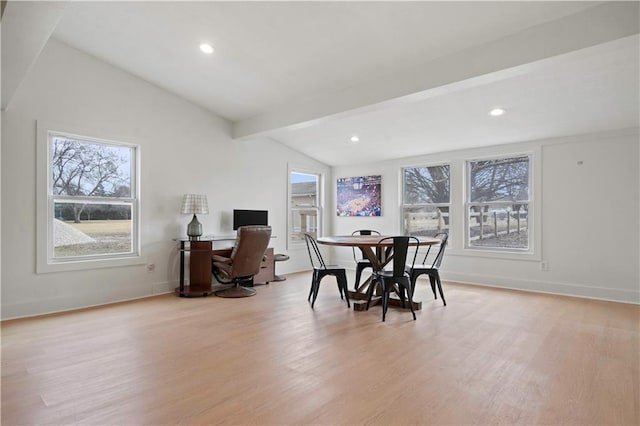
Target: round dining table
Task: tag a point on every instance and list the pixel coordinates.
(379, 255)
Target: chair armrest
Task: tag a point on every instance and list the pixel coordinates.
(220, 259)
(222, 256)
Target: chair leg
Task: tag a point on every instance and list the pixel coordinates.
(412, 279)
(411, 306)
(358, 274)
(372, 286)
(359, 269)
(342, 282)
(401, 291)
(315, 292)
(385, 301)
(432, 280)
(314, 277)
(440, 288)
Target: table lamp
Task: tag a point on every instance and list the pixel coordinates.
(196, 204)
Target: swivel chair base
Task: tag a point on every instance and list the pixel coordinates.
(235, 292)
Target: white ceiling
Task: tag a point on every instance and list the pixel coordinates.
(311, 74)
(594, 91)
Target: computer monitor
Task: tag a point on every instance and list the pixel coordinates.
(249, 217)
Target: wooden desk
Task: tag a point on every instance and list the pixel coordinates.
(267, 268)
(199, 268)
(368, 244)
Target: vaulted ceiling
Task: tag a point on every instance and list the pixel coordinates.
(407, 78)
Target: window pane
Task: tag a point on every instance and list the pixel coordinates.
(303, 221)
(424, 185)
(304, 190)
(86, 229)
(304, 206)
(500, 180)
(426, 221)
(80, 168)
(499, 226)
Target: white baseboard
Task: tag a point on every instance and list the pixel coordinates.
(161, 288)
(537, 286)
(566, 289)
(48, 306)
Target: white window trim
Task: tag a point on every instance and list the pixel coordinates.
(457, 214)
(533, 253)
(449, 204)
(291, 168)
(44, 231)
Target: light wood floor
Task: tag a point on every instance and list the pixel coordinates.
(490, 357)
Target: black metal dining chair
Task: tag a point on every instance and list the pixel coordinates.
(397, 276)
(362, 262)
(430, 269)
(321, 270)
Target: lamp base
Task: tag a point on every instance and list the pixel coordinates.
(194, 229)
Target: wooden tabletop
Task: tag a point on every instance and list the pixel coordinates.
(369, 240)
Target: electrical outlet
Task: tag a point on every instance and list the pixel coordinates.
(544, 265)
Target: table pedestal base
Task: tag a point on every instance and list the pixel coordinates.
(359, 301)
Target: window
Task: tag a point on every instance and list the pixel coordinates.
(498, 203)
(304, 203)
(92, 199)
(426, 198)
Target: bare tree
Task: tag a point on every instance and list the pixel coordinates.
(427, 185)
(503, 179)
(86, 169)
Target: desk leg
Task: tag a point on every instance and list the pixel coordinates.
(182, 268)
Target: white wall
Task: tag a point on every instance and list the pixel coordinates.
(186, 149)
(183, 149)
(589, 217)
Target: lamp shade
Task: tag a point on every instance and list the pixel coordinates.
(194, 203)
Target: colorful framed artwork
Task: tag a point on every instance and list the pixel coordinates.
(359, 196)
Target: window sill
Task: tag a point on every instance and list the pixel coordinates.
(84, 265)
(526, 256)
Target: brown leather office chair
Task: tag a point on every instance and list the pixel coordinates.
(243, 261)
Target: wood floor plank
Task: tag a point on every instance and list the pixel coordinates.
(490, 356)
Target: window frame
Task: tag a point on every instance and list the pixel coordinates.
(532, 212)
(404, 205)
(46, 199)
(457, 161)
(319, 208)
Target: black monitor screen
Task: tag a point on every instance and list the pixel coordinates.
(250, 217)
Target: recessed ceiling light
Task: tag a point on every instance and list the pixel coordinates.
(354, 139)
(206, 48)
(496, 112)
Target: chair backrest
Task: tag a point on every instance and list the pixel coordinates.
(438, 259)
(444, 237)
(314, 252)
(248, 252)
(401, 250)
(362, 232)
